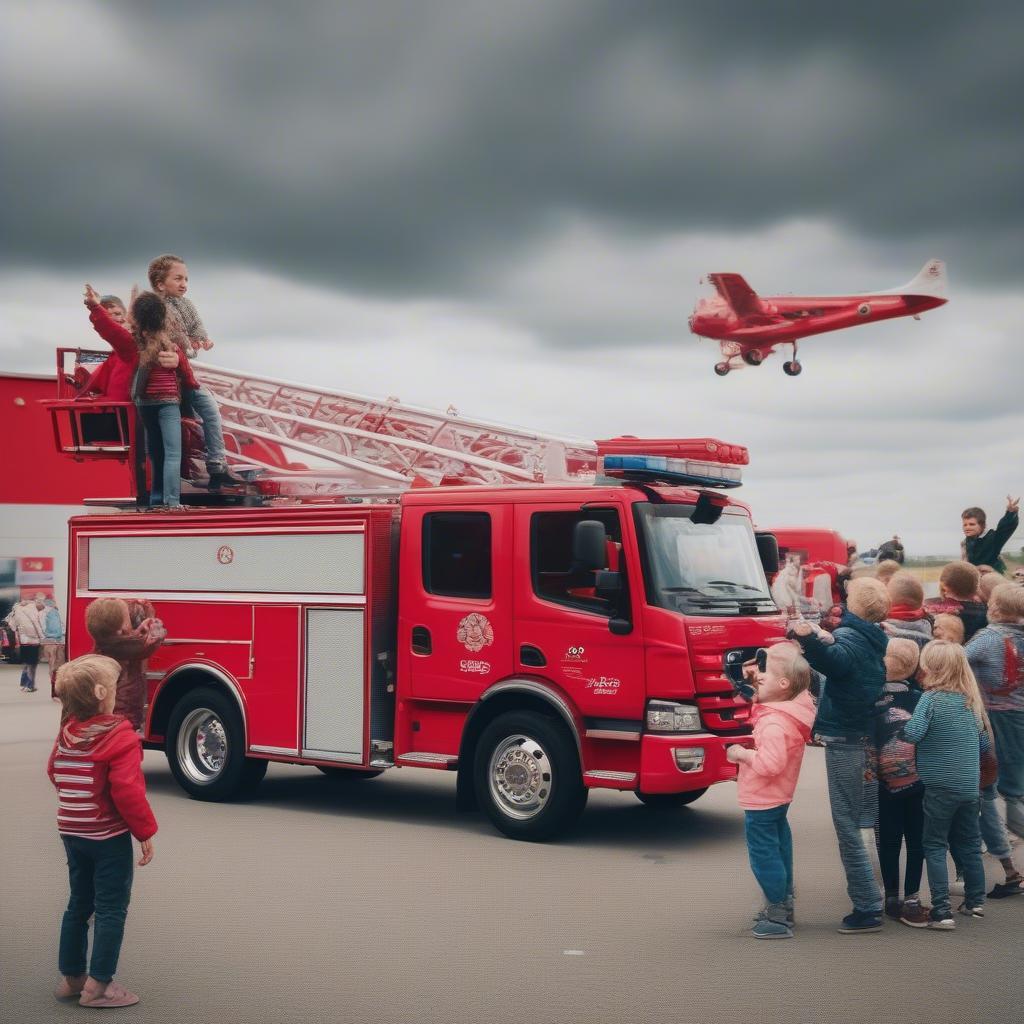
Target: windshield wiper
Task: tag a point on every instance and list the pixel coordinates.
(730, 583)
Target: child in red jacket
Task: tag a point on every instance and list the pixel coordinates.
(96, 766)
(783, 715)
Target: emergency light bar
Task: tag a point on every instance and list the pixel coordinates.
(698, 461)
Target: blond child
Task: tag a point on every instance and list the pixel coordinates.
(854, 668)
(948, 627)
(989, 581)
(958, 590)
(949, 727)
(886, 569)
(96, 767)
(783, 715)
(168, 277)
(129, 633)
(996, 655)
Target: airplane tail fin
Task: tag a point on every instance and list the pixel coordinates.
(930, 281)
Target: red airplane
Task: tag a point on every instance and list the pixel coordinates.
(749, 326)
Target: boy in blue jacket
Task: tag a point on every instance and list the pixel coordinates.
(854, 669)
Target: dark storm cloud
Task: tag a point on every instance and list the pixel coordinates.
(407, 146)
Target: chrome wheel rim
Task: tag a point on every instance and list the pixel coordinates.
(202, 746)
(520, 776)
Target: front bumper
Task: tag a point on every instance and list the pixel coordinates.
(660, 773)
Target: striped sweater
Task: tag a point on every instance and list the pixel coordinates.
(948, 740)
(96, 767)
(996, 654)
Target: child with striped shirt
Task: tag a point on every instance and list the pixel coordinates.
(949, 727)
(96, 767)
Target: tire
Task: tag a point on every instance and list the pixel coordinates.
(792, 368)
(755, 357)
(670, 801)
(206, 747)
(527, 776)
(721, 369)
(348, 774)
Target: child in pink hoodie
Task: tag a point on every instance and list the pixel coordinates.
(783, 715)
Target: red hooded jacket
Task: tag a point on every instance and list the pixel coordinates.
(96, 766)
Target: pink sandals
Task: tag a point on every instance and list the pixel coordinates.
(113, 995)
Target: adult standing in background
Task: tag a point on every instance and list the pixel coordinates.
(53, 641)
(892, 549)
(981, 546)
(28, 624)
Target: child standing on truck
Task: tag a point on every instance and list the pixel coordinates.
(950, 728)
(783, 714)
(129, 633)
(854, 672)
(984, 547)
(96, 767)
(168, 277)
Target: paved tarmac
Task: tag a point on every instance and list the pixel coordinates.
(320, 901)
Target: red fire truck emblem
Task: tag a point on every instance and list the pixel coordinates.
(475, 632)
(225, 555)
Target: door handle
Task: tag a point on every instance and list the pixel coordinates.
(532, 656)
(421, 640)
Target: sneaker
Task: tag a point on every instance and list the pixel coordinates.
(1011, 887)
(861, 921)
(914, 915)
(967, 911)
(768, 929)
(893, 906)
(941, 920)
(762, 914)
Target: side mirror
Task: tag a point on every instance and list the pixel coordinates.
(768, 550)
(588, 548)
(620, 627)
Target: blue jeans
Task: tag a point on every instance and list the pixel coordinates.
(1008, 729)
(770, 849)
(163, 440)
(993, 831)
(206, 409)
(951, 825)
(100, 871)
(853, 795)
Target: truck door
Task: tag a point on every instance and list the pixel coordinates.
(454, 633)
(562, 625)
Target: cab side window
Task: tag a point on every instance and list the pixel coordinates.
(457, 554)
(555, 577)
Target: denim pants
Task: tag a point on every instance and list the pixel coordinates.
(951, 825)
(901, 821)
(1008, 730)
(206, 409)
(770, 849)
(853, 795)
(100, 871)
(29, 654)
(163, 440)
(993, 831)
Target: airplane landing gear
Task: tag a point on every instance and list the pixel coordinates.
(754, 357)
(791, 368)
(721, 369)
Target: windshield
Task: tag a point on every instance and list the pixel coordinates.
(710, 568)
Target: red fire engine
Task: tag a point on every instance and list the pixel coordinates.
(577, 624)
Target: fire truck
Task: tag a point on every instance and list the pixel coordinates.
(540, 615)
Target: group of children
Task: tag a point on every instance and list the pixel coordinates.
(152, 343)
(921, 714)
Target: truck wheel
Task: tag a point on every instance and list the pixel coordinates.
(670, 801)
(206, 747)
(348, 774)
(528, 776)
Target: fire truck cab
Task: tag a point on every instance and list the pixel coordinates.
(540, 640)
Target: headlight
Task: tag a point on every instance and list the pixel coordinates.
(667, 716)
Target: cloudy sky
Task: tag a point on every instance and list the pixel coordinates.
(509, 207)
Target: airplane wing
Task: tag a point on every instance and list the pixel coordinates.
(740, 296)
